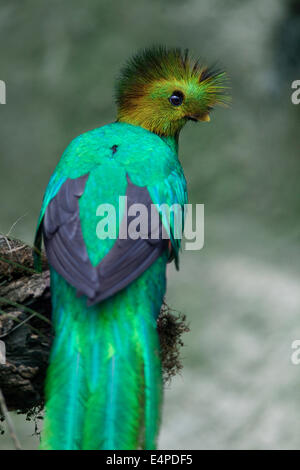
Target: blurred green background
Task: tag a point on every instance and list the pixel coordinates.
(59, 60)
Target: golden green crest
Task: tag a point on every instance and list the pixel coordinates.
(161, 89)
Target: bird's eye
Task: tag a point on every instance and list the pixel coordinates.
(176, 98)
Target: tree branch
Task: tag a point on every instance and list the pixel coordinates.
(9, 423)
(25, 327)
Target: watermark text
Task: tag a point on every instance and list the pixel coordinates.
(295, 96)
(2, 352)
(2, 92)
(157, 221)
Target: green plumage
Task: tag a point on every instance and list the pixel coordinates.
(104, 382)
(104, 385)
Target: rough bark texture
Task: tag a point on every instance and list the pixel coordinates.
(25, 328)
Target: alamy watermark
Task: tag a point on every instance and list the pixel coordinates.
(2, 352)
(295, 96)
(2, 92)
(295, 356)
(154, 222)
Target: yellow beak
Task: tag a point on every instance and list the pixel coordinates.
(205, 118)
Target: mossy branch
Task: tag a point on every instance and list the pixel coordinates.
(25, 327)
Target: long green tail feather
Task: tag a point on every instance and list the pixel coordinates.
(104, 382)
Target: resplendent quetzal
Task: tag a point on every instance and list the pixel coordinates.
(104, 381)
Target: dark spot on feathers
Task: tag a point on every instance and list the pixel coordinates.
(114, 148)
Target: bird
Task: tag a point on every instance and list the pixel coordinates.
(104, 386)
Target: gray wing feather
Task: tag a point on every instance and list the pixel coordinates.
(67, 253)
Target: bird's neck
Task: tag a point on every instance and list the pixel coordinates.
(172, 142)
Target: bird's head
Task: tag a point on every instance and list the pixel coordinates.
(161, 89)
